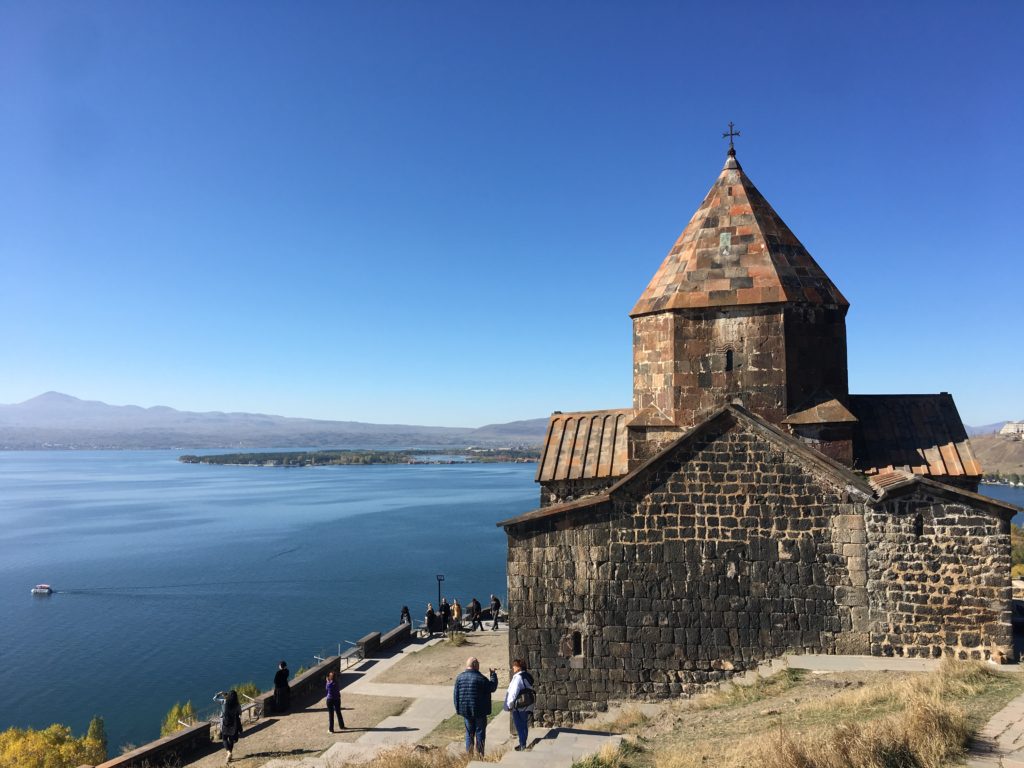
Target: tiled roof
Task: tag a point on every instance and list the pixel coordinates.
(586, 444)
(852, 482)
(922, 434)
(736, 250)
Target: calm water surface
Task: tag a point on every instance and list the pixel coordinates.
(175, 581)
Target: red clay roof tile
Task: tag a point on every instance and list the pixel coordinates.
(736, 227)
(586, 444)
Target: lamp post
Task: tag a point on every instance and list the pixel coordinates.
(440, 578)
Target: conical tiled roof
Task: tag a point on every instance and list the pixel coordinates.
(736, 250)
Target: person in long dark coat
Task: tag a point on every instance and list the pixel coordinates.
(430, 619)
(446, 614)
(474, 615)
(230, 721)
(282, 692)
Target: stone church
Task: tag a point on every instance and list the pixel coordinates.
(747, 505)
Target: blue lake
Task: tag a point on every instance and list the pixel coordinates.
(175, 581)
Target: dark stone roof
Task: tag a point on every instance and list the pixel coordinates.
(586, 444)
(922, 434)
(736, 250)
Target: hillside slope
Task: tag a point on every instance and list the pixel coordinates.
(998, 453)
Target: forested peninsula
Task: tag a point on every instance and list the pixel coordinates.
(344, 457)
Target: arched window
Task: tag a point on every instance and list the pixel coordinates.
(728, 359)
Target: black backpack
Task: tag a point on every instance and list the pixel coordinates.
(526, 698)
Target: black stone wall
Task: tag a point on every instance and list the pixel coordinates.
(938, 579)
(721, 555)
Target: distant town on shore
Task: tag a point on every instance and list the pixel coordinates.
(348, 457)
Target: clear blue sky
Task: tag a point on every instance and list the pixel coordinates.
(442, 212)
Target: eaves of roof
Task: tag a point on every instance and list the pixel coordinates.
(898, 483)
(841, 474)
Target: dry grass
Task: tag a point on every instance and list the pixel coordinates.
(918, 721)
(626, 755)
(418, 756)
(630, 720)
(762, 688)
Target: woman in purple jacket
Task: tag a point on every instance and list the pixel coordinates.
(333, 703)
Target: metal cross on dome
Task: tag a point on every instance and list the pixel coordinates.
(730, 134)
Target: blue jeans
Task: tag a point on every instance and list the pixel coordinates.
(521, 720)
(477, 726)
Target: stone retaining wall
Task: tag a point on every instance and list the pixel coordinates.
(195, 741)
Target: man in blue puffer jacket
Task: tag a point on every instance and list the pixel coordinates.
(473, 701)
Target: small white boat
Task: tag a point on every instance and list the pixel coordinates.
(42, 589)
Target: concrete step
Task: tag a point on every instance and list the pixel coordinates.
(559, 749)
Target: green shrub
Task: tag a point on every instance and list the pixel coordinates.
(178, 714)
(249, 689)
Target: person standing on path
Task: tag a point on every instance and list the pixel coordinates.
(282, 693)
(495, 607)
(456, 615)
(430, 620)
(473, 701)
(445, 611)
(230, 721)
(474, 615)
(519, 700)
(333, 703)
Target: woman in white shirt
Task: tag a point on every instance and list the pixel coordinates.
(520, 691)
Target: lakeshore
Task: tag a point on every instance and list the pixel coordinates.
(174, 581)
(177, 580)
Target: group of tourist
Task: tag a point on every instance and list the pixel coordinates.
(473, 701)
(472, 698)
(449, 616)
(472, 694)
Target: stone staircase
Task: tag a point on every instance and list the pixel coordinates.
(558, 748)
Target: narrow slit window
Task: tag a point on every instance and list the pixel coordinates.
(577, 644)
(918, 525)
(728, 359)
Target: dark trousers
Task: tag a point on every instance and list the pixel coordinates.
(494, 624)
(521, 720)
(477, 624)
(334, 706)
(476, 727)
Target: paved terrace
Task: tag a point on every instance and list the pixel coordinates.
(386, 702)
(402, 699)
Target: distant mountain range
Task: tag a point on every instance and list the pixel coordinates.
(55, 420)
(984, 429)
